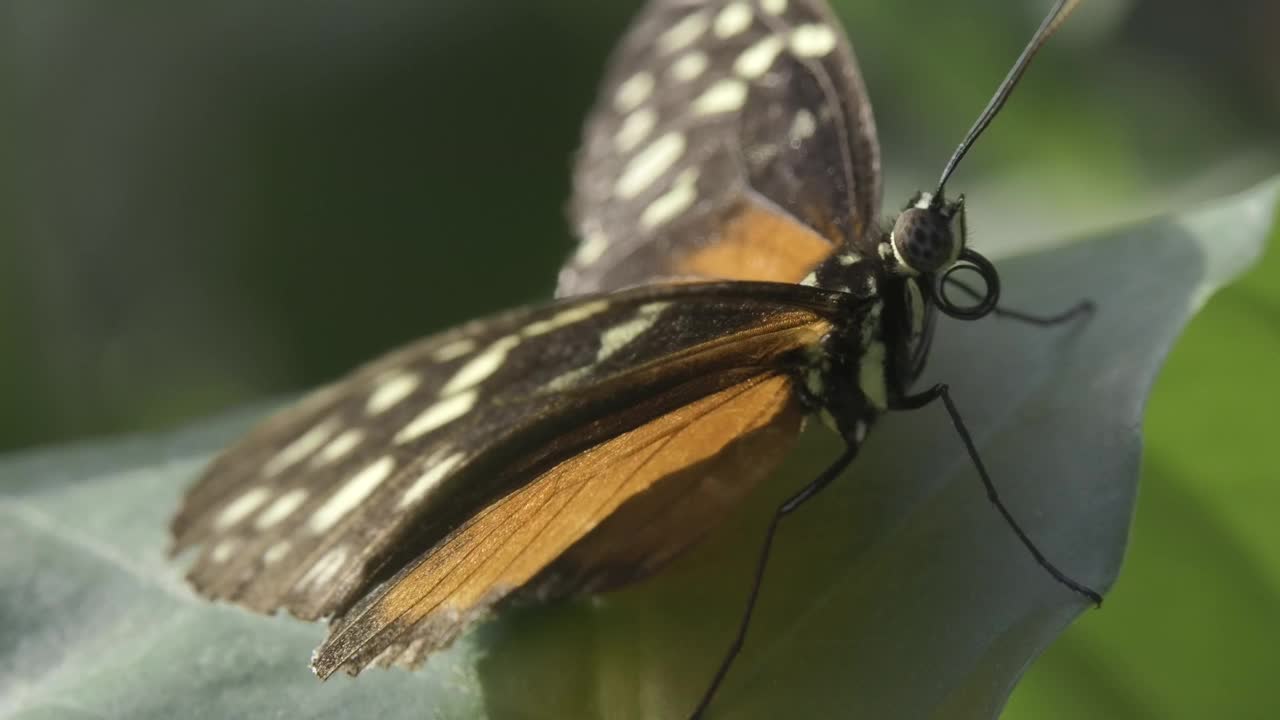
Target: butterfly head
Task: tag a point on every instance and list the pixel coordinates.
(922, 240)
(924, 243)
(928, 242)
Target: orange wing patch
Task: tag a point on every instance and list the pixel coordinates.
(503, 547)
(758, 243)
(696, 494)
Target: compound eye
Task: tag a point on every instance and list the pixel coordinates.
(923, 241)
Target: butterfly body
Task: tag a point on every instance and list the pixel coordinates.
(869, 362)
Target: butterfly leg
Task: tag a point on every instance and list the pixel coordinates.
(942, 392)
(831, 473)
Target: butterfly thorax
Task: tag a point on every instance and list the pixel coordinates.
(872, 357)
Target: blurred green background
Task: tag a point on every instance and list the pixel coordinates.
(213, 202)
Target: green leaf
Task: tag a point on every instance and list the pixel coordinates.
(1190, 630)
(900, 592)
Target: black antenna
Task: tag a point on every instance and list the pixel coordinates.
(1046, 31)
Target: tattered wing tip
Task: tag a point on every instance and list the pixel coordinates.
(179, 537)
(321, 665)
(362, 642)
(335, 654)
(324, 665)
(174, 547)
(182, 538)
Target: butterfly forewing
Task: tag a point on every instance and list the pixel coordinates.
(521, 535)
(730, 140)
(377, 472)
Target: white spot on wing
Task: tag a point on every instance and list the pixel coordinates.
(803, 125)
(325, 569)
(594, 243)
(352, 494)
(567, 380)
(295, 451)
(811, 41)
(282, 508)
(683, 33)
(429, 479)
(453, 350)
(276, 552)
(725, 96)
(390, 391)
(733, 19)
(757, 59)
(619, 336)
(338, 447)
(240, 508)
(650, 164)
(223, 551)
(683, 193)
(480, 367)
(611, 341)
(635, 127)
(633, 91)
(565, 318)
(774, 7)
(689, 66)
(441, 413)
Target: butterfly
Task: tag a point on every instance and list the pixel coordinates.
(731, 280)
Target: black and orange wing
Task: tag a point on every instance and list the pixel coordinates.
(409, 497)
(539, 537)
(731, 139)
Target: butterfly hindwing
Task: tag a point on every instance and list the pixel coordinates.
(369, 478)
(731, 139)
